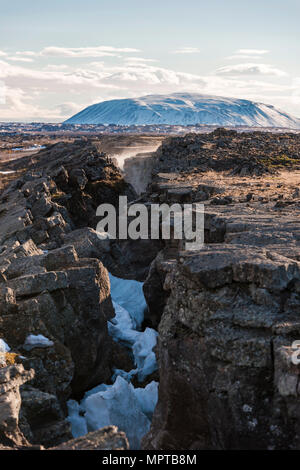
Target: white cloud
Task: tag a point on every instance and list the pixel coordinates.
(252, 54)
(187, 50)
(27, 53)
(79, 52)
(252, 51)
(147, 74)
(20, 106)
(251, 69)
(56, 80)
(69, 108)
(56, 67)
(55, 91)
(3, 54)
(2, 92)
(19, 59)
(138, 60)
(244, 57)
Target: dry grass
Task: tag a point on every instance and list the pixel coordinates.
(7, 359)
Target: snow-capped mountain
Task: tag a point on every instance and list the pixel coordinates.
(184, 109)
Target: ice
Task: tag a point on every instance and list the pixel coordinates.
(99, 388)
(38, 340)
(143, 353)
(142, 343)
(147, 398)
(119, 405)
(150, 365)
(129, 295)
(121, 327)
(128, 376)
(78, 423)
(4, 348)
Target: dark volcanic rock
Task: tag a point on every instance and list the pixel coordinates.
(54, 284)
(244, 154)
(228, 314)
(155, 291)
(225, 342)
(11, 378)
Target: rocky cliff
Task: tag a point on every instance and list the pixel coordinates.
(229, 313)
(54, 290)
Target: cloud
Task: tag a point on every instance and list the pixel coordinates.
(57, 80)
(27, 53)
(53, 92)
(3, 54)
(2, 92)
(187, 50)
(248, 54)
(251, 69)
(138, 60)
(20, 106)
(252, 51)
(69, 108)
(19, 59)
(56, 67)
(79, 52)
(147, 74)
(244, 57)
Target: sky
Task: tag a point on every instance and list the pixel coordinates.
(58, 57)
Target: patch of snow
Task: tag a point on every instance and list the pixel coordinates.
(142, 343)
(28, 149)
(253, 423)
(129, 295)
(120, 404)
(147, 398)
(128, 376)
(38, 340)
(247, 408)
(78, 422)
(121, 327)
(4, 348)
(98, 388)
(144, 356)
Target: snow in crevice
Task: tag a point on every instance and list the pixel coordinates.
(4, 348)
(38, 341)
(121, 404)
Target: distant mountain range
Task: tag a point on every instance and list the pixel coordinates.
(185, 109)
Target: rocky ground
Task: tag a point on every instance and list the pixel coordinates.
(227, 315)
(252, 153)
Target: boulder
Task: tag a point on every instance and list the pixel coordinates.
(11, 378)
(108, 438)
